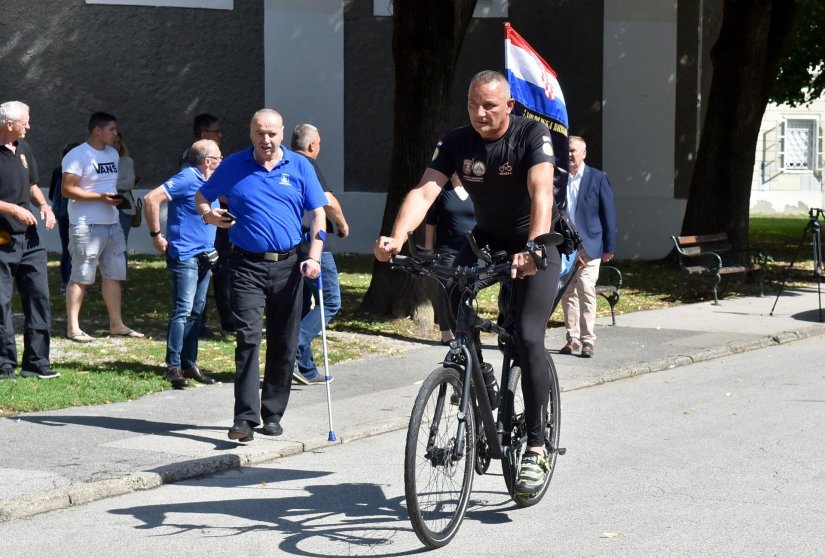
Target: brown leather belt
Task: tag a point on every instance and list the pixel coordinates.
(267, 256)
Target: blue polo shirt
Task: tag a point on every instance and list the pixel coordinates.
(188, 236)
(268, 204)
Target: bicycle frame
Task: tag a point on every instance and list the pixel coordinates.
(466, 346)
(463, 353)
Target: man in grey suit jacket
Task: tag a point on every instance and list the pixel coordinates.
(590, 204)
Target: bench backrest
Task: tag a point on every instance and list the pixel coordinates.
(699, 243)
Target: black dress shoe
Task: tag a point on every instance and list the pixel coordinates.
(173, 376)
(272, 427)
(241, 431)
(194, 373)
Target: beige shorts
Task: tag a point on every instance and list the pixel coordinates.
(93, 245)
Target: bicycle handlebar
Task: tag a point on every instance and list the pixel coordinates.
(428, 263)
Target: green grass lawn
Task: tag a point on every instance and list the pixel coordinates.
(111, 370)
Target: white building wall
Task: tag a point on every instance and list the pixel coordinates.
(304, 73)
(639, 109)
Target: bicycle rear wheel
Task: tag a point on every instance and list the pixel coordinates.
(518, 434)
(437, 482)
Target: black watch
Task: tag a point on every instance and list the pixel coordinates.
(154, 234)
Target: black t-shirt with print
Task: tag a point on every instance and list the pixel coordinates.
(18, 171)
(495, 174)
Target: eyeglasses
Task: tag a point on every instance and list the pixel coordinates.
(218, 158)
(215, 131)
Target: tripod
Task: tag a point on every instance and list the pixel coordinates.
(816, 244)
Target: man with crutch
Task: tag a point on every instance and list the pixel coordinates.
(307, 141)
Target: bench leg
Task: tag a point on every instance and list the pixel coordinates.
(716, 280)
(612, 299)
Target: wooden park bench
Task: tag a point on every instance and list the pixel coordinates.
(712, 255)
(608, 285)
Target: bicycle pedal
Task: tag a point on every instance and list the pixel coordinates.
(560, 451)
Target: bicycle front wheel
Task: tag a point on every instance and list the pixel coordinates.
(518, 434)
(437, 481)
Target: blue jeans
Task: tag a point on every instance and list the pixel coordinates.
(190, 282)
(311, 318)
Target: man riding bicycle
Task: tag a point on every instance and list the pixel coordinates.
(506, 165)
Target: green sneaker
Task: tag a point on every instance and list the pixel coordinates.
(531, 474)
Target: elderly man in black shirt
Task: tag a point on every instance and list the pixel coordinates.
(22, 256)
(506, 165)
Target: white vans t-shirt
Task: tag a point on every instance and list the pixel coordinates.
(98, 173)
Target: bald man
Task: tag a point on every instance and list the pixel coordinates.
(268, 189)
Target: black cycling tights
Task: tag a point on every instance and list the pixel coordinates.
(533, 303)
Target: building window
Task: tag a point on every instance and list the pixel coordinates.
(798, 144)
(484, 8)
(207, 4)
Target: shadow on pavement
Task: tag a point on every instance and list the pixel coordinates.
(136, 426)
(810, 315)
(316, 520)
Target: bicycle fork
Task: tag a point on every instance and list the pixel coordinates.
(472, 371)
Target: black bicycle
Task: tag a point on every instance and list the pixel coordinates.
(452, 432)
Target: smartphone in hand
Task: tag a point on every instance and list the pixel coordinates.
(116, 196)
(229, 217)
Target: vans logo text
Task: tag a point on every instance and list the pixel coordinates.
(105, 168)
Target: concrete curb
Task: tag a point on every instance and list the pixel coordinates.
(77, 494)
(51, 500)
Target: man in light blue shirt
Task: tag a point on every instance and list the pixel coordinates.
(189, 245)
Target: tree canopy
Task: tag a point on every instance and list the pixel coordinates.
(801, 79)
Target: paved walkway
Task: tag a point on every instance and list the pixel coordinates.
(67, 457)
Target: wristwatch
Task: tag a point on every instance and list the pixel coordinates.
(154, 234)
(203, 216)
(533, 247)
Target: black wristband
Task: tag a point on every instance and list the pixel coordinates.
(154, 234)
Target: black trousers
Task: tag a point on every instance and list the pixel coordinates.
(443, 312)
(23, 263)
(222, 280)
(274, 288)
(533, 301)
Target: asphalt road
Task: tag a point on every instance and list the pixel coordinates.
(721, 458)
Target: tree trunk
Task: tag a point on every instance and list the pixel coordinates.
(752, 43)
(427, 37)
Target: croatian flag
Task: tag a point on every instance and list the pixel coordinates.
(538, 95)
(532, 81)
